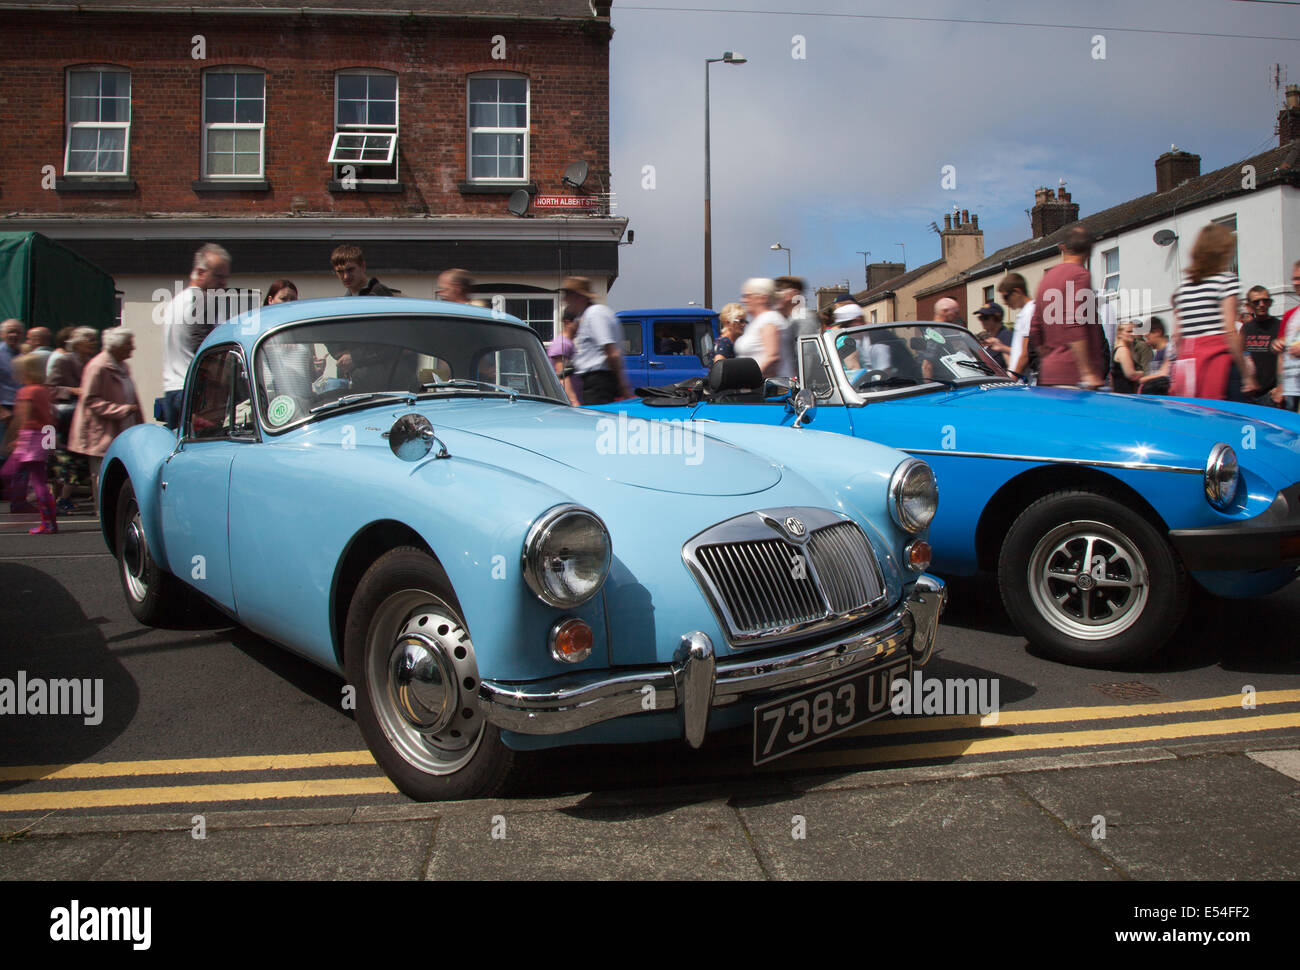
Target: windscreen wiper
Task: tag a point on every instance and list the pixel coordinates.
(355, 398)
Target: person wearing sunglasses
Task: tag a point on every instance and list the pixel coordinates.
(1261, 342)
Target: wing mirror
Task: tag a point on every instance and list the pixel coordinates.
(411, 437)
(804, 405)
(706, 350)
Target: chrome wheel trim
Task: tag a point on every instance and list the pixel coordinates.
(1093, 603)
(416, 623)
(135, 557)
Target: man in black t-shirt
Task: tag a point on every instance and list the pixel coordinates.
(1261, 343)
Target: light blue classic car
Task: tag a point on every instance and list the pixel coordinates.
(1093, 508)
(398, 490)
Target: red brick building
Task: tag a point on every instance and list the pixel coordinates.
(136, 131)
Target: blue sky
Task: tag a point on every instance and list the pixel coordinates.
(844, 149)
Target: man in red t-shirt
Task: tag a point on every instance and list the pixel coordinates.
(1065, 327)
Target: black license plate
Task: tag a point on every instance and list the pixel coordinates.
(821, 712)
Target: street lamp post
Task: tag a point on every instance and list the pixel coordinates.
(777, 246)
(728, 57)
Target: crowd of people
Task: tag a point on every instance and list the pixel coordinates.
(1212, 348)
(64, 398)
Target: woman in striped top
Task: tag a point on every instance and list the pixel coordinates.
(1205, 309)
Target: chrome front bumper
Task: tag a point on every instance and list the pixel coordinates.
(696, 681)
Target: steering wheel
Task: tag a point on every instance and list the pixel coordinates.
(871, 377)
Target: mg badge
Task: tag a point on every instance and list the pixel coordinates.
(794, 526)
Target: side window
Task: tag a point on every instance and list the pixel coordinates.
(220, 405)
(673, 338)
(631, 338)
(812, 368)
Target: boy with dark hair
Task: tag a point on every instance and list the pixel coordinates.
(350, 267)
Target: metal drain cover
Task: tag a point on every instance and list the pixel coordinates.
(1128, 690)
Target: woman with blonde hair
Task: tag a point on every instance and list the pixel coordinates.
(1205, 311)
(731, 320)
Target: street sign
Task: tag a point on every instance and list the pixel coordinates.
(564, 202)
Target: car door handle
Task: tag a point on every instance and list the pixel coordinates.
(163, 486)
(656, 363)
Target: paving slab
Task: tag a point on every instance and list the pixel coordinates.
(958, 829)
(1287, 762)
(29, 857)
(385, 850)
(1221, 816)
(701, 841)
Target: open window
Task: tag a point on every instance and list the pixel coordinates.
(364, 148)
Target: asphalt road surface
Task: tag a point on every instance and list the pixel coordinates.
(215, 717)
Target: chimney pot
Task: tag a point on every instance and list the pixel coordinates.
(947, 220)
(974, 222)
(965, 217)
(1293, 95)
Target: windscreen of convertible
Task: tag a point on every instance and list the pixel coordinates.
(877, 358)
(307, 368)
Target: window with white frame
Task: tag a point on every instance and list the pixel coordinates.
(538, 310)
(99, 122)
(365, 126)
(1230, 222)
(498, 128)
(234, 123)
(1110, 258)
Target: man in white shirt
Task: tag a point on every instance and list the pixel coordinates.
(1015, 294)
(598, 345)
(186, 323)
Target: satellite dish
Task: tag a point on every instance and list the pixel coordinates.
(1164, 237)
(575, 175)
(518, 203)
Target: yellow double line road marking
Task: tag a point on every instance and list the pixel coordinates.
(187, 766)
(372, 785)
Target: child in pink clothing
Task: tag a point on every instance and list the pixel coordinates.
(34, 420)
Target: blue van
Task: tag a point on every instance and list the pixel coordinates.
(664, 346)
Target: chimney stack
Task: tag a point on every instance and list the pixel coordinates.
(1288, 119)
(878, 273)
(1051, 212)
(1175, 167)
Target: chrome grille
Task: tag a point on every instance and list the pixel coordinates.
(760, 584)
(847, 567)
(767, 584)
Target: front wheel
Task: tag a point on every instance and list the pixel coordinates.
(154, 596)
(1089, 581)
(408, 653)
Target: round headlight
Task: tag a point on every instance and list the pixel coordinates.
(913, 495)
(566, 556)
(1221, 476)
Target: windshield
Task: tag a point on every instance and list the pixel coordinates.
(318, 366)
(877, 359)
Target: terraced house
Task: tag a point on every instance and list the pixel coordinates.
(424, 131)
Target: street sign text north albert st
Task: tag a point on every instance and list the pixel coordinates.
(563, 202)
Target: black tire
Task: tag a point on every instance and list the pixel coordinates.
(1103, 615)
(154, 596)
(404, 621)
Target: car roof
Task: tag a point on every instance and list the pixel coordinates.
(248, 327)
(675, 311)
